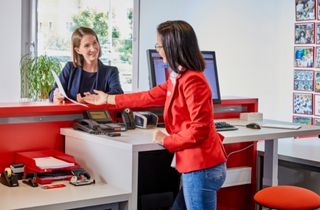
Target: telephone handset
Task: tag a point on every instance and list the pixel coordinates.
(87, 125)
(128, 118)
(8, 178)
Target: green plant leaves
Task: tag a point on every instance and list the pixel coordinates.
(36, 76)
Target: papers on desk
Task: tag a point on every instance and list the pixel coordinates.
(282, 126)
(61, 90)
(51, 162)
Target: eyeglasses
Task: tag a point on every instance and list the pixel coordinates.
(157, 46)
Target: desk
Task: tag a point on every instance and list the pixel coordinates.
(115, 160)
(111, 159)
(298, 151)
(299, 162)
(69, 197)
(271, 137)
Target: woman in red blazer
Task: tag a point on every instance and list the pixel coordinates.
(188, 116)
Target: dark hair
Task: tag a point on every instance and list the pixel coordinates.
(180, 45)
(76, 37)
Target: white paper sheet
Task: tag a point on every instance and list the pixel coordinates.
(51, 162)
(61, 90)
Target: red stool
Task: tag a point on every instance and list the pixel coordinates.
(287, 198)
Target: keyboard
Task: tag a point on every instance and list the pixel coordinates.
(224, 126)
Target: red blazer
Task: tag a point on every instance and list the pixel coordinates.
(188, 117)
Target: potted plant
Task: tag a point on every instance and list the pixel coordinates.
(36, 77)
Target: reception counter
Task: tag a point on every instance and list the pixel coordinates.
(36, 126)
(99, 152)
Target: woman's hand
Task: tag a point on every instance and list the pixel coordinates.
(80, 98)
(58, 98)
(158, 136)
(98, 98)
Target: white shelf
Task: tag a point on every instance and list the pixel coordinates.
(26, 197)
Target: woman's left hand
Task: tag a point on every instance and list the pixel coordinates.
(158, 136)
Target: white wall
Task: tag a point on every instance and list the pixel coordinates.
(253, 42)
(10, 39)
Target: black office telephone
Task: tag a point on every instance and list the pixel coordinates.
(87, 125)
(8, 178)
(128, 118)
(98, 122)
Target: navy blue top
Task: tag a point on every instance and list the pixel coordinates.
(88, 80)
(75, 80)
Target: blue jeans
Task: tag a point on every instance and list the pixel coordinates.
(199, 189)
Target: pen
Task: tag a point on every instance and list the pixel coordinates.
(47, 187)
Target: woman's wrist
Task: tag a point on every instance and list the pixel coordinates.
(106, 98)
(162, 140)
(111, 99)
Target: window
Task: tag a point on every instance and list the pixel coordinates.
(112, 20)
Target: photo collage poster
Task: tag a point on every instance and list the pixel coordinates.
(306, 74)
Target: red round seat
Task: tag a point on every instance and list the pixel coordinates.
(287, 198)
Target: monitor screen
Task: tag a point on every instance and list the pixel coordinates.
(158, 71)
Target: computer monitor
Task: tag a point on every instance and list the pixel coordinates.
(158, 71)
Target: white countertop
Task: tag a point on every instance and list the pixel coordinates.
(141, 139)
(136, 139)
(244, 134)
(26, 197)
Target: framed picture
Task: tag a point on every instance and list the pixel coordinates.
(304, 33)
(316, 105)
(302, 103)
(305, 10)
(317, 33)
(303, 80)
(302, 120)
(317, 58)
(303, 56)
(316, 121)
(317, 81)
(318, 9)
